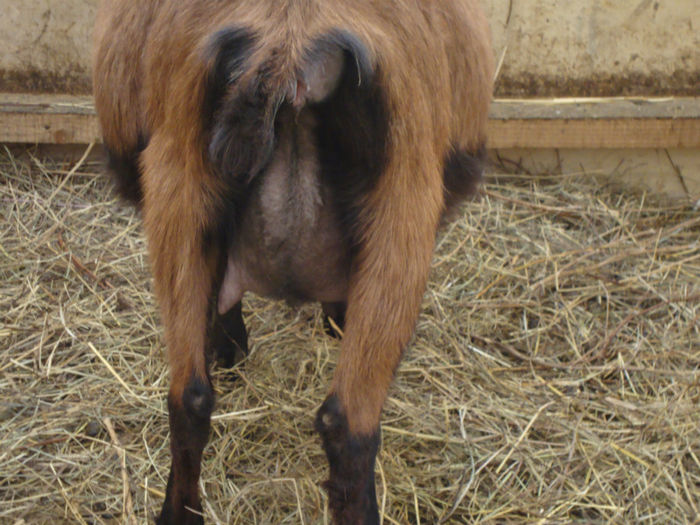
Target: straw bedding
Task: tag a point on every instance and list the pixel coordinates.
(553, 377)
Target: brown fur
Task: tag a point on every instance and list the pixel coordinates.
(435, 73)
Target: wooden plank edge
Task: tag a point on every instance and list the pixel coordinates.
(503, 108)
(595, 134)
(33, 128)
(31, 123)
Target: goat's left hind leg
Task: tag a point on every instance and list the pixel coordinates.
(184, 268)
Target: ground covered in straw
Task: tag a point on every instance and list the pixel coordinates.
(553, 376)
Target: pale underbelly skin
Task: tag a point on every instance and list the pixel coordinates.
(288, 242)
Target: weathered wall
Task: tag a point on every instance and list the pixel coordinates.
(597, 47)
(553, 47)
(674, 173)
(45, 45)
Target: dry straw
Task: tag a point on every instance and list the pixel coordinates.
(553, 376)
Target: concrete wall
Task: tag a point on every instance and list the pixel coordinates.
(597, 47)
(674, 173)
(45, 45)
(552, 47)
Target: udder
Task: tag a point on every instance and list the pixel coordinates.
(288, 242)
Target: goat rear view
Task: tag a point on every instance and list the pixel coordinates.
(299, 149)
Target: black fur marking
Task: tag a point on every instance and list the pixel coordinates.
(230, 49)
(352, 132)
(175, 513)
(462, 174)
(351, 486)
(224, 110)
(243, 132)
(240, 118)
(126, 172)
(189, 433)
(198, 399)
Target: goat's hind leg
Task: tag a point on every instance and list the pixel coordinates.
(384, 299)
(351, 457)
(176, 214)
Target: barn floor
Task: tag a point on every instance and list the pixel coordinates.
(553, 378)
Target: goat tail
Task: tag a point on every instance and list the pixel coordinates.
(245, 94)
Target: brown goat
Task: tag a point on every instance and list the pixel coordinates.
(302, 149)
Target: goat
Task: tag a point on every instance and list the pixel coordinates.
(301, 149)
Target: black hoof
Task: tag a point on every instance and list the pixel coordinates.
(351, 492)
(189, 432)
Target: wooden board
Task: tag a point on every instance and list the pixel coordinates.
(48, 119)
(595, 123)
(553, 123)
(595, 133)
